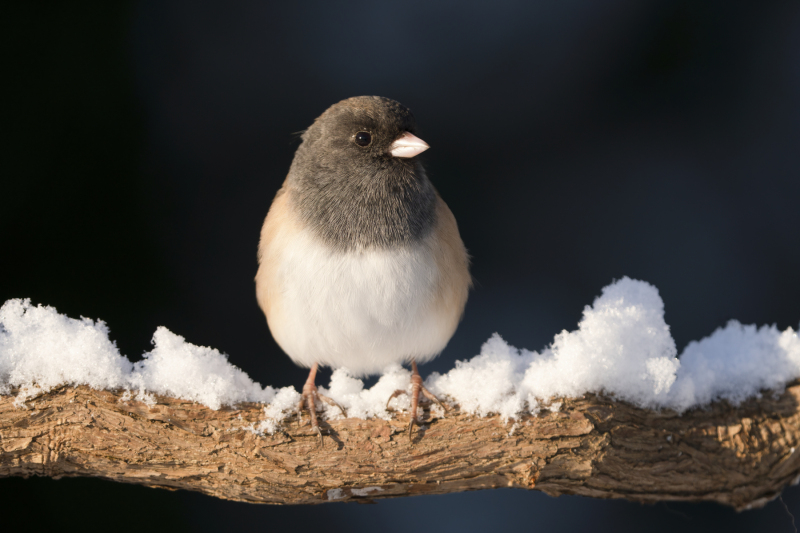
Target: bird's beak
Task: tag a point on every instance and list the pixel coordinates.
(408, 145)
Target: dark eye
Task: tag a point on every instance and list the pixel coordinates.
(363, 138)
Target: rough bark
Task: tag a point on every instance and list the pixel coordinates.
(593, 446)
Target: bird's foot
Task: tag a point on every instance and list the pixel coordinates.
(427, 398)
(309, 401)
(418, 395)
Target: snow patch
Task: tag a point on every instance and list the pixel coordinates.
(182, 370)
(279, 407)
(335, 494)
(734, 363)
(623, 347)
(365, 491)
(349, 392)
(41, 349)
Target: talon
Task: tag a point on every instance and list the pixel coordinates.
(331, 401)
(432, 398)
(395, 394)
(319, 434)
(309, 400)
(418, 393)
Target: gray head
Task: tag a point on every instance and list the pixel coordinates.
(355, 179)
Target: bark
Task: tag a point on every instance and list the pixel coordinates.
(593, 446)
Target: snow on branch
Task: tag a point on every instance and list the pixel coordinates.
(606, 410)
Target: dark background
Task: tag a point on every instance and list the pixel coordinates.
(575, 141)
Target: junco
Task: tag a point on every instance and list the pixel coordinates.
(360, 261)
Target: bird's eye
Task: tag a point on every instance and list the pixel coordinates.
(363, 138)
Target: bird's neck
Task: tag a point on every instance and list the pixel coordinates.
(387, 210)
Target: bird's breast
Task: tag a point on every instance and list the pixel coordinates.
(363, 309)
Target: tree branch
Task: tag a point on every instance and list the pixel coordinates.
(593, 446)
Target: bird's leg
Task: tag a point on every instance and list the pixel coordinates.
(417, 388)
(308, 400)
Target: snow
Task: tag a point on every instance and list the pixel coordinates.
(365, 491)
(734, 363)
(279, 406)
(41, 349)
(182, 370)
(349, 392)
(622, 347)
(335, 494)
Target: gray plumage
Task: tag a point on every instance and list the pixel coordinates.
(355, 197)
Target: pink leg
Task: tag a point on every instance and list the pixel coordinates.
(417, 388)
(309, 399)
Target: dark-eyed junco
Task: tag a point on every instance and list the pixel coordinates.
(360, 261)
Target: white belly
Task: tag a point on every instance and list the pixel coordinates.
(363, 311)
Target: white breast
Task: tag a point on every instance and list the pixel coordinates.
(359, 310)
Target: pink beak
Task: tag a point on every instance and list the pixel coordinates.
(408, 145)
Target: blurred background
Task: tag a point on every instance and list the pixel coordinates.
(575, 141)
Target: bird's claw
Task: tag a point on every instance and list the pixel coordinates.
(309, 401)
(417, 390)
(395, 394)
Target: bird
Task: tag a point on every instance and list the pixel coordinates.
(361, 264)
